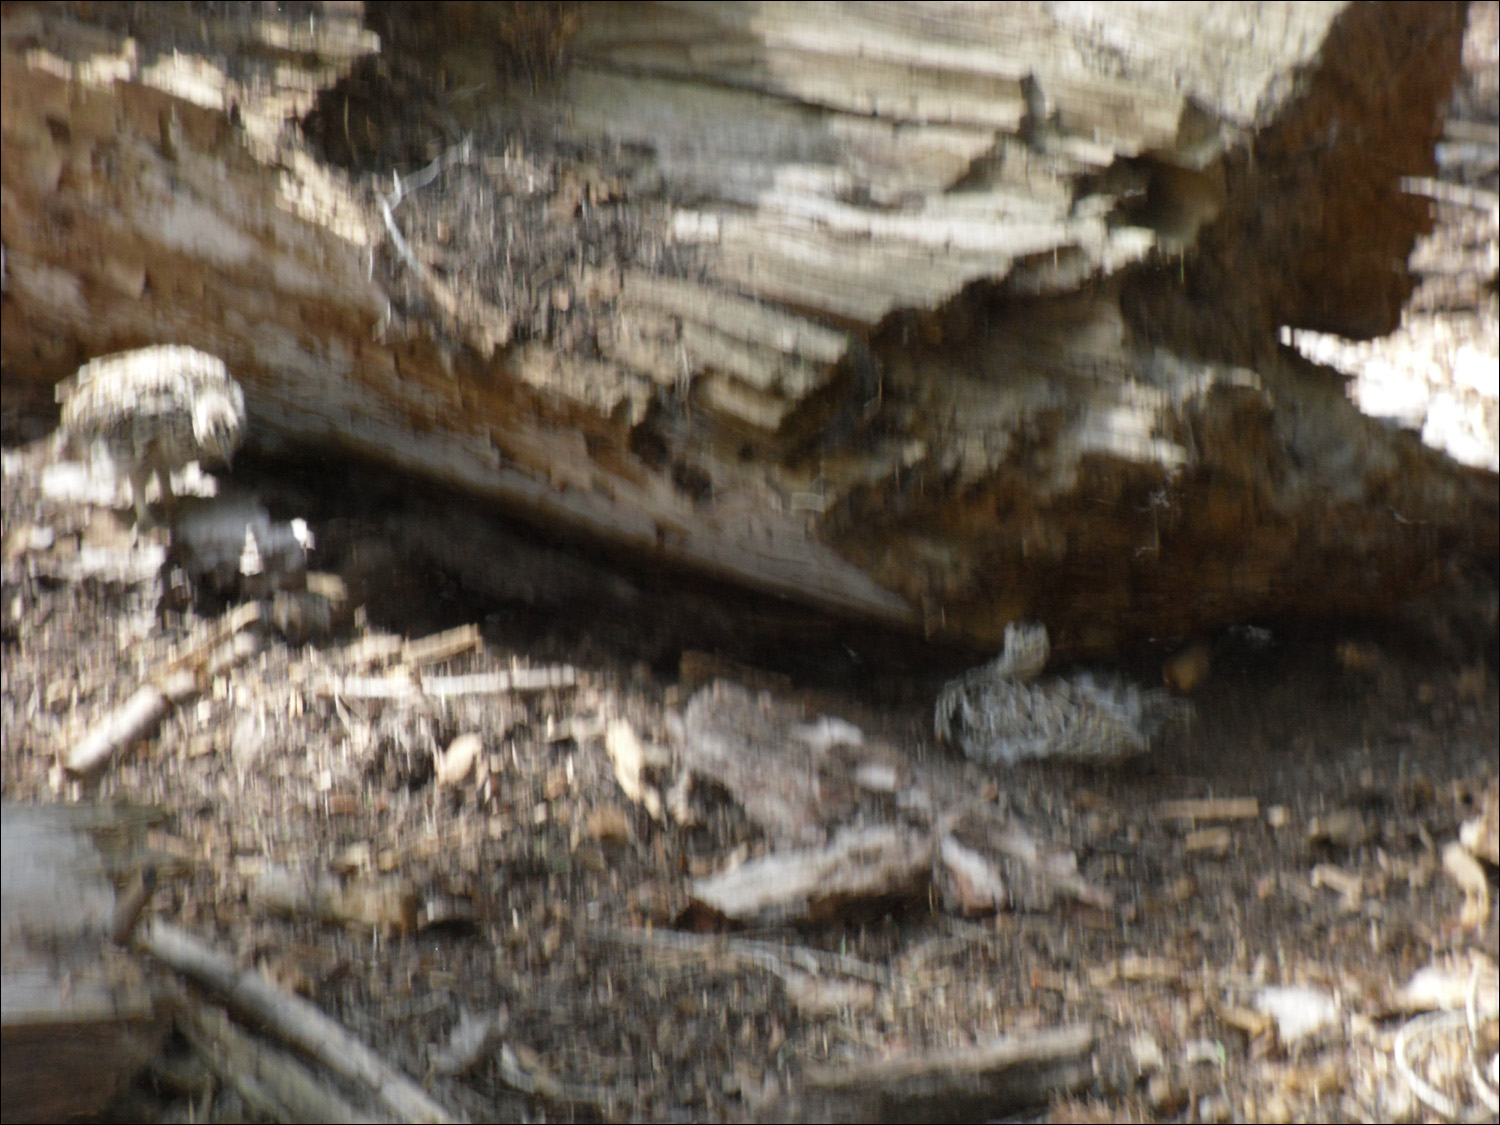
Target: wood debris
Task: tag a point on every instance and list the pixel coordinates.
(456, 762)
(295, 1020)
(396, 686)
(389, 904)
(995, 1079)
(629, 759)
(1465, 870)
(868, 865)
(1213, 808)
(1481, 834)
(178, 680)
(789, 779)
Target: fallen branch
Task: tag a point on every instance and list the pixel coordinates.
(177, 680)
(272, 1083)
(489, 683)
(781, 960)
(294, 1020)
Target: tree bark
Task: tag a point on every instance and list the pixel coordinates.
(935, 318)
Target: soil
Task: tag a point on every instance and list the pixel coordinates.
(534, 891)
(533, 896)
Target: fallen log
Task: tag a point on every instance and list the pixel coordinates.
(934, 320)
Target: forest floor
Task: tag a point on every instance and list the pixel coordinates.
(489, 834)
(529, 933)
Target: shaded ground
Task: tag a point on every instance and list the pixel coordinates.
(536, 889)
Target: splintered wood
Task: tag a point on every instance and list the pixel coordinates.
(407, 679)
(823, 794)
(817, 885)
(396, 686)
(799, 224)
(179, 679)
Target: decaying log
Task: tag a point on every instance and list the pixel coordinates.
(936, 318)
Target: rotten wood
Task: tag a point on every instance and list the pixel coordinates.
(926, 318)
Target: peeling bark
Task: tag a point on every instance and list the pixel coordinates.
(935, 319)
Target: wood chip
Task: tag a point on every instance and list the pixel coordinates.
(975, 885)
(1210, 808)
(1346, 883)
(1464, 870)
(629, 759)
(455, 763)
(1216, 840)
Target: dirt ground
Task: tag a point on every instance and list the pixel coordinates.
(526, 936)
(531, 898)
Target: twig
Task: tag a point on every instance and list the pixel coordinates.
(388, 204)
(273, 1083)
